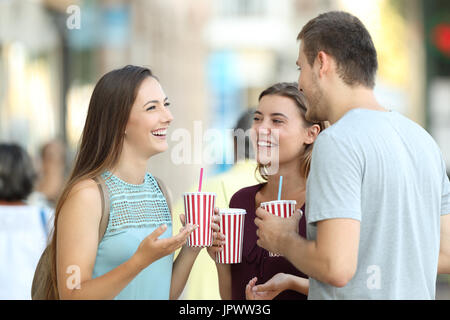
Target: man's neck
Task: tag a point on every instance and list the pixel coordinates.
(353, 98)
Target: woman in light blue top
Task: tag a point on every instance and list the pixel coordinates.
(126, 124)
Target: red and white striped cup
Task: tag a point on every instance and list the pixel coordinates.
(280, 208)
(199, 209)
(232, 226)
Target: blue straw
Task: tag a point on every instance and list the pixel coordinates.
(279, 187)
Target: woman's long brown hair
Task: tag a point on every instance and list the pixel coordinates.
(290, 90)
(103, 134)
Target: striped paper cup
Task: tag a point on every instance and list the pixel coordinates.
(280, 208)
(199, 209)
(232, 226)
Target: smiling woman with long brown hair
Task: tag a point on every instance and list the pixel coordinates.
(283, 141)
(126, 124)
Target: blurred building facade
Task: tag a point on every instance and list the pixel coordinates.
(213, 58)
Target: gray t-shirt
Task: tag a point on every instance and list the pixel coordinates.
(385, 171)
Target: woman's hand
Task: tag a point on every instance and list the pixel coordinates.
(215, 227)
(218, 237)
(269, 290)
(182, 217)
(184, 262)
(152, 248)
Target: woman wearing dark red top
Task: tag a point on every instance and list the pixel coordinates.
(283, 140)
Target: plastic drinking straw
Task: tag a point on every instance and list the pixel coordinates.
(200, 182)
(225, 193)
(279, 187)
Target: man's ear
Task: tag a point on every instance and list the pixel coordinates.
(312, 133)
(323, 61)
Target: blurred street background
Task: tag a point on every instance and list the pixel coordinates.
(212, 57)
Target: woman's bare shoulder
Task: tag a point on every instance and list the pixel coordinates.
(83, 197)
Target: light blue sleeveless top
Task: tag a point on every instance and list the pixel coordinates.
(135, 212)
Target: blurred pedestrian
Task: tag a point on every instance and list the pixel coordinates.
(51, 174)
(23, 228)
(378, 197)
(126, 124)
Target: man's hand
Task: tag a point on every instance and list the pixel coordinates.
(273, 231)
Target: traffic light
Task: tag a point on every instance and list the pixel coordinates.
(437, 37)
(441, 38)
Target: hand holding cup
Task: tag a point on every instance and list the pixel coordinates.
(218, 236)
(272, 229)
